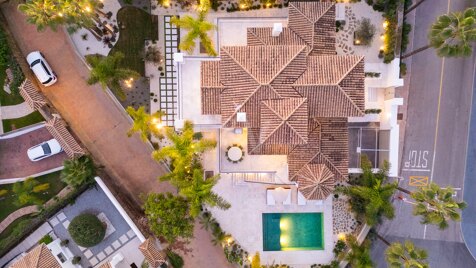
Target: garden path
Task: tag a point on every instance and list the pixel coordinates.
(15, 111)
(17, 214)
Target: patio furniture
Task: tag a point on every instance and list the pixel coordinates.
(282, 195)
(288, 199)
(319, 202)
(269, 197)
(301, 199)
(234, 153)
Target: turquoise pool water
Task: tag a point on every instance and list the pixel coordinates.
(292, 231)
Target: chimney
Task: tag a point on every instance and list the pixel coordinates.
(240, 117)
(277, 29)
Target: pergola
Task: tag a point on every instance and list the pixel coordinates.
(31, 95)
(57, 127)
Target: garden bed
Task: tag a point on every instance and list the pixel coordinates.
(135, 26)
(12, 124)
(7, 201)
(8, 61)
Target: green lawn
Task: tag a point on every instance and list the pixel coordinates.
(6, 201)
(11, 124)
(16, 228)
(136, 26)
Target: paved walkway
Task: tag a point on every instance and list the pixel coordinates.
(17, 214)
(15, 111)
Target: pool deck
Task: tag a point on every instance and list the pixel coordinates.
(244, 221)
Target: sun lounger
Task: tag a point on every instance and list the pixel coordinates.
(270, 198)
(288, 199)
(319, 202)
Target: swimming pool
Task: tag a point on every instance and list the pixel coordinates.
(292, 231)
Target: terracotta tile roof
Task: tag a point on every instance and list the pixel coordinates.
(39, 257)
(152, 254)
(106, 265)
(210, 97)
(262, 36)
(328, 70)
(57, 127)
(31, 95)
(284, 121)
(315, 181)
(296, 93)
(261, 63)
(327, 144)
(257, 148)
(314, 22)
(249, 75)
(209, 74)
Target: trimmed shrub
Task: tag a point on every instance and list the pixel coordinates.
(86, 230)
(175, 260)
(76, 260)
(46, 239)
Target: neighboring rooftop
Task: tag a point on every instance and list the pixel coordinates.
(153, 255)
(296, 94)
(38, 257)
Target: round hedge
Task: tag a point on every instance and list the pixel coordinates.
(86, 230)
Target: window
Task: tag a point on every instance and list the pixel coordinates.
(61, 257)
(35, 63)
(47, 81)
(46, 148)
(46, 69)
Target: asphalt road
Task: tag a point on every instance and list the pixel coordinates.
(468, 224)
(434, 150)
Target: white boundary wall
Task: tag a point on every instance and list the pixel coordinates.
(120, 209)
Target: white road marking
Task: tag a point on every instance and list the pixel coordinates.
(414, 169)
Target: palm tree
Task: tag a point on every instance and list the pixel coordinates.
(197, 28)
(183, 152)
(78, 171)
(452, 34)
(51, 13)
(107, 72)
(42, 13)
(145, 123)
(199, 191)
(436, 205)
(371, 197)
(206, 220)
(358, 256)
(27, 191)
(406, 255)
(219, 238)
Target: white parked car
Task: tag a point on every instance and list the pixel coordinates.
(44, 150)
(41, 68)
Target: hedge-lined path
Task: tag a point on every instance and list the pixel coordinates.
(17, 214)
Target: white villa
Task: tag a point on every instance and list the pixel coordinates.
(288, 109)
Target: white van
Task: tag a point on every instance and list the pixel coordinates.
(41, 68)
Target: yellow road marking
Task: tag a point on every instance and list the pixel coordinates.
(418, 181)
